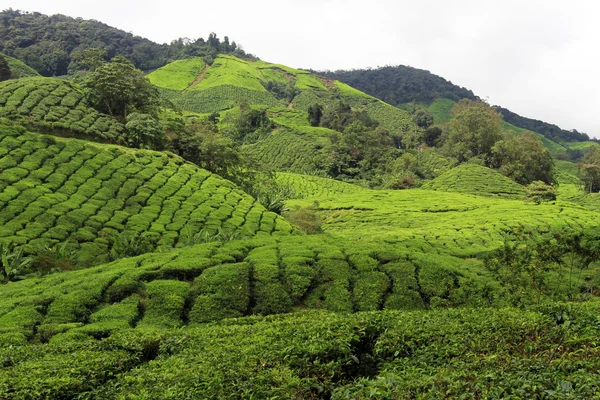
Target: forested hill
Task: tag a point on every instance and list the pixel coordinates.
(401, 84)
(50, 44)
(551, 131)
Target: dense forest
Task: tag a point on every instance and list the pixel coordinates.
(52, 45)
(401, 84)
(551, 131)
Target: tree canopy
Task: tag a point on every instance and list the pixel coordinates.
(473, 131)
(118, 88)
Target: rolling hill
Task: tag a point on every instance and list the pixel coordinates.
(57, 191)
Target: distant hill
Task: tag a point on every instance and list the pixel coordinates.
(47, 43)
(401, 84)
(195, 86)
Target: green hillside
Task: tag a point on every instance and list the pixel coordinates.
(478, 180)
(178, 75)
(63, 190)
(229, 79)
(18, 69)
(55, 106)
(434, 222)
(355, 250)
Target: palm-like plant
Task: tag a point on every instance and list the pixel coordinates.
(14, 263)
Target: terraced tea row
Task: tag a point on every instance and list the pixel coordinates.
(55, 105)
(304, 186)
(478, 180)
(487, 353)
(218, 280)
(287, 150)
(60, 190)
(426, 221)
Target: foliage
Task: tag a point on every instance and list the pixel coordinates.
(475, 129)
(59, 258)
(4, 69)
(52, 44)
(56, 190)
(144, 132)
(178, 75)
(315, 113)
(589, 169)
(539, 191)
(550, 131)
(117, 88)
(14, 263)
(18, 69)
(524, 159)
(401, 84)
(530, 268)
(130, 244)
(307, 219)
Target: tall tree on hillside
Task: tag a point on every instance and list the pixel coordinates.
(524, 159)
(4, 69)
(118, 88)
(473, 131)
(589, 169)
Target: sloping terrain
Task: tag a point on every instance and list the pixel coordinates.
(178, 75)
(55, 106)
(65, 190)
(478, 180)
(230, 79)
(19, 69)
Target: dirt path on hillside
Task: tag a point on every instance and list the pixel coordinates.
(198, 78)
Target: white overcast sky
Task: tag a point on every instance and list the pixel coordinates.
(539, 58)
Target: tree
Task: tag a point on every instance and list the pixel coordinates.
(4, 69)
(473, 131)
(524, 159)
(144, 132)
(90, 58)
(423, 117)
(118, 88)
(589, 169)
(315, 112)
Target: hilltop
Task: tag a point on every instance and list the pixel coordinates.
(52, 45)
(400, 84)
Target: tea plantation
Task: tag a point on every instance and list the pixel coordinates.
(180, 285)
(63, 190)
(55, 106)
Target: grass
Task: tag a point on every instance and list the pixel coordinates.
(63, 190)
(178, 75)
